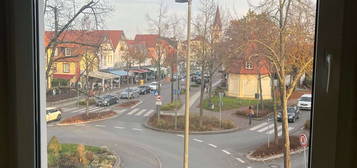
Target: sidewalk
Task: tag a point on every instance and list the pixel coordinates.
(74, 100)
(193, 100)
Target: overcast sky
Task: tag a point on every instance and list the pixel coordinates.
(131, 15)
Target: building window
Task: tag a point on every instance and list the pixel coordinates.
(67, 52)
(66, 68)
(248, 65)
(56, 52)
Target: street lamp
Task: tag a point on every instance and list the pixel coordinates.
(187, 104)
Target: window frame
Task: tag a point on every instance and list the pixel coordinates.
(249, 65)
(67, 52)
(66, 67)
(27, 99)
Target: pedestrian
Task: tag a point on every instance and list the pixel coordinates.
(250, 115)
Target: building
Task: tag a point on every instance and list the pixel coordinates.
(243, 79)
(78, 51)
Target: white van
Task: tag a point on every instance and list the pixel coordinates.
(304, 102)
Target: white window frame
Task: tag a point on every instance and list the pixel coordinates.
(67, 52)
(249, 65)
(66, 67)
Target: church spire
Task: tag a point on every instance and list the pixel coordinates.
(217, 20)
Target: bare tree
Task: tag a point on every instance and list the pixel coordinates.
(285, 62)
(61, 15)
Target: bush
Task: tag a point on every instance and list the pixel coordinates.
(69, 161)
(171, 106)
(91, 101)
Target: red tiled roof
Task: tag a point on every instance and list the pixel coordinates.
(149, 39)
(238, 67)
(87, 37)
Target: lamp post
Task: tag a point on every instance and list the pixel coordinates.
(187, 104)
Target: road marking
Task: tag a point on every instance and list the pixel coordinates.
(137, 129)
(197, 140)
(228, 153)
(133, 111)
(122, 111)
(180, 136)
(80, 125)
(90, 109)
(120, 127)
(240, 160)
(249, 167)
(50, 125)
(272, 131)
(281, 132)
(100, 125)
(140, 112)
(258, 126)
(212, 145)
(148, 113)
(266, 128)
(69, 109)
(136, 104)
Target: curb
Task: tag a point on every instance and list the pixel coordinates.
(146, 125)
(118, 162)
(277, 156)
(114, 116)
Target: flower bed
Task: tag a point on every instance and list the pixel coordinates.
(209, 123)
(93, 116)
(274, 149)
(128, 103)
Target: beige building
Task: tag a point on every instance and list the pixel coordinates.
(243, 80)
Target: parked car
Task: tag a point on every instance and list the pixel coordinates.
(304, 102)
(53, 114)
(153, 85)
(144, 89)
(293, 114)
(107, 100)
(129, 93)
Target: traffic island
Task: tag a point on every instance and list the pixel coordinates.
(90, 117)
(274, 151)
(79, 155)
(210, 125)
(128, 104)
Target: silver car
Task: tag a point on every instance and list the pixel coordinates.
(129, 93)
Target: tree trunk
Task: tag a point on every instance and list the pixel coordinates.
(172, 84)
(210, 85)
(284, 104)
(202, 94)
(261, 92)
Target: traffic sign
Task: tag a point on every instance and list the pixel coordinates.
(158, 98)
(303, 140)
(159, 102)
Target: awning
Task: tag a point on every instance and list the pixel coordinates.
(139, 70)
(63, 76)
(118, 72)
(102, 75)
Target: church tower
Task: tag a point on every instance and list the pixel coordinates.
(217, 27)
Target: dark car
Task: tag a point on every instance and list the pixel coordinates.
(107, 100)
(143, 90)
(293, 114)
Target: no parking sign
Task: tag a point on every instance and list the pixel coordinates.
(303, 140)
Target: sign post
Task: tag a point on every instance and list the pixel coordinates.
(158, 104)
(304, 143)
(220, 108)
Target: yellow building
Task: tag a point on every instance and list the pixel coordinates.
(243, 80)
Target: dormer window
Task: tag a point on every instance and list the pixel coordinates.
(67, 52)
(248, 65)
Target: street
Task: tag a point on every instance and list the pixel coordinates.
(138, 146)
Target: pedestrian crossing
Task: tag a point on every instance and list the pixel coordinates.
(267, 128)
(136, 112)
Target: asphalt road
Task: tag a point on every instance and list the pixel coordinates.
(139, 147)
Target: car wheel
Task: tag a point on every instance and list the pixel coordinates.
(59, 117)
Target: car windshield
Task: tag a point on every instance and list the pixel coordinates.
(307, 99)
(291, 110)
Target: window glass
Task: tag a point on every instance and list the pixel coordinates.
(120, 81)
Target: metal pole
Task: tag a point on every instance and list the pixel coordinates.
(187, 104)
(305, 157)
